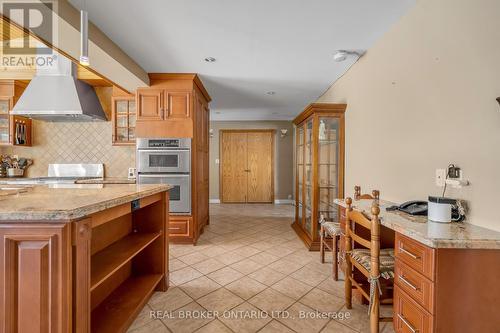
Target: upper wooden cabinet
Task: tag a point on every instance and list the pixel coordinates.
(124, 119)
(178, 105)
(150, 104)
(14, 130)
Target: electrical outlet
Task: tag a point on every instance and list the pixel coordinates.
(440, 177)
(217, 161)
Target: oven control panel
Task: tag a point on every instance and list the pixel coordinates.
(164, 143)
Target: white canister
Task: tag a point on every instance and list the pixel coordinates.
(439, 209)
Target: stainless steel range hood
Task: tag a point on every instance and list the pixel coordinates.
(55, 94)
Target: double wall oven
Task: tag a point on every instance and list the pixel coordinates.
(167, 161)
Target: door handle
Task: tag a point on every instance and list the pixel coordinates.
(410, 326)
(408, 283)
(414, 256)
(247, 170)
(162, 113)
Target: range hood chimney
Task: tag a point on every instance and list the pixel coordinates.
(55, 94)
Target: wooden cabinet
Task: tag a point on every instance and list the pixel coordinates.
(445, 289)
(150, 104)
(35, 282)
(14, 130)
(319, 168)
(176, 106)
(124, 118)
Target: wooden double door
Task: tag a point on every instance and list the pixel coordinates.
(247, 166)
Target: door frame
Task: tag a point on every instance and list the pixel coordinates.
(221, 160)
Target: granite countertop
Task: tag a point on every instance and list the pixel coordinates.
(106, 180)
(436, 235)
(53, 203)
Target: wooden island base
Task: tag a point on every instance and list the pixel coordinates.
(92, 274)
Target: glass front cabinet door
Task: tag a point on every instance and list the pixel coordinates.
(319, 168)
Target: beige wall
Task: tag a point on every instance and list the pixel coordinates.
(283, 154)
(424, 97)
(75, 143)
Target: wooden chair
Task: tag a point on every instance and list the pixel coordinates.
(330, 233)
(371, 261)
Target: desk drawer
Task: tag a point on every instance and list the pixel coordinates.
(416, 255)
(409, 317)
(418, 287)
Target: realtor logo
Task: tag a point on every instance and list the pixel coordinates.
(35, 16)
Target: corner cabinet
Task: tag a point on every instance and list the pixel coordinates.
(14, 130)
(124, 118)
(319, 167)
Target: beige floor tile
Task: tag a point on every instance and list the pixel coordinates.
(193, 258)
(280, 251)
(220, 300)
(291, 287)
(170, 300)
(246, 287)
(358, 318)
(246, 266)
(178, 323)
(208, 266)
(247, 251)
(270, 300)
(262, 245)
(143, 318)
(325, 269)
(284, 266)
(199, 287)
(320, 300)
(264, 258)
(267, 276)
(229, 258)
(175, 265)
(307, 276)
(155, 326)
(275, 327)
(336, 288)
(245, 318)
(215, 326)
(214, 251)
(225, 275)
(184, 275)
(303, 319)
(181, 250)
(336, 327)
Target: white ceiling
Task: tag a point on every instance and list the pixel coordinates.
(284, 46)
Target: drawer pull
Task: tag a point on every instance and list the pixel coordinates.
(176, 228)
(414, 256)
(408, 283)
(410, 326)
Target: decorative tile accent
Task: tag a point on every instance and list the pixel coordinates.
(85, 142)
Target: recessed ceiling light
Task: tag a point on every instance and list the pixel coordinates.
(210, 59)
(270, 93)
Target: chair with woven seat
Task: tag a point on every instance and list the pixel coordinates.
(374, 263)
(330, 233)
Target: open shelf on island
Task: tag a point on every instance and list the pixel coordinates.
(107, 261)
(119, 309)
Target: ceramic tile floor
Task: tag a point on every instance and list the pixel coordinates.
(248, 266)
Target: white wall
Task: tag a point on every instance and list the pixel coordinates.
(424, 97)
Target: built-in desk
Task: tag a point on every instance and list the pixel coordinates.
(447, 276)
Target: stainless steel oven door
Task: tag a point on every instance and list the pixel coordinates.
(180, 194)
(164, 161)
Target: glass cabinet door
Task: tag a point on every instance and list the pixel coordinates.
(308, 174)
(125, 119)
(4, 121)
(328, 159)
(300, 172)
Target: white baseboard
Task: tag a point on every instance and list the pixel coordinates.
(283, 201)
(214, 201)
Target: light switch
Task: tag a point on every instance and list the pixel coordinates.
(440, 177)
(217, 161)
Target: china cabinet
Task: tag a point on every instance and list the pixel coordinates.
(14, 130)
(319, 167)
(124, 119)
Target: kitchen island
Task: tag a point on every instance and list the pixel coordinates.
(80, 259)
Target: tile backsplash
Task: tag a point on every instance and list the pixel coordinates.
(74, 143)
